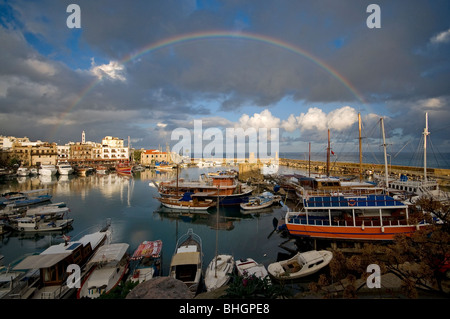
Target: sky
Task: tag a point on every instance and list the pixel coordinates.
(146, 68)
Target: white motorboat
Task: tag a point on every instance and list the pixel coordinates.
(301, 265)
(23, 171)
(186, 263)
(65, 169)
(38, 224)
(249, 267)
(109, 265)
(218, 272)
(47, 170)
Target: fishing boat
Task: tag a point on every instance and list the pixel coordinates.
(249, 267)
(186, 263)
(146, 261)
(26, 198)
(260, 202)
(48, 170)
(300, 265)
(187, 202)
(39, 224)
(221, 266)
(52, 265)
(109, 265)
(229, 190)
(124, 167)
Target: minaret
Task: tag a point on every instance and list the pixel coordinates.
(83, 138)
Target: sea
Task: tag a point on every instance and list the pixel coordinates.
(129, 204)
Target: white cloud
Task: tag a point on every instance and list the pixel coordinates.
(113, 70)
(265, 119)
(442, 37)
(317, 119)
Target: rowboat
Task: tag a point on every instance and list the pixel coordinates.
(260, 202)
(300, 265)
(186, 202)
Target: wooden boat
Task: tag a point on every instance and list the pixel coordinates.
(146, 261)
(369, 217)
(229, 190)
(249, 267)
(52, 265)
(300, 265)
(109, 265)
(25, 198)
(186, 202)
(124, 168)
(186, 263)
(218, 272)
(260, 202)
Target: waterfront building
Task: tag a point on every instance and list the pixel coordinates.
(150, 157)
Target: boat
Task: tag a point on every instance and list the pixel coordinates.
(39, 224)
(146, 261)
(249, 267)
(221, 266)
(260, 202)
(187, 202)
(300, 265)
(52, 265)
(230, 191)
(48, 170)
(413, 189)
(124, 167)
(34, 171)
(23, 171)
(186, 263)
(270, 169)
(101, 169)
(219, 271)
(26, 198)
(352, 215)
(108, 266)
(65, 169)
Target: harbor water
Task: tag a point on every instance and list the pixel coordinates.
(136, 215)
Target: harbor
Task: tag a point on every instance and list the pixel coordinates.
(131, 205)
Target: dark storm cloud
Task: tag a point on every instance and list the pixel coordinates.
(397, 64)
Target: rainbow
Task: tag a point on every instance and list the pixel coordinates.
(211, 35)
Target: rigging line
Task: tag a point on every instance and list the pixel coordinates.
(432, 148)
(402, 148)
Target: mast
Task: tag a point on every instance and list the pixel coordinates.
(309, 160)
(385, 154)
(425, 134)
(217, 232)
(328, 154)
(360, 148)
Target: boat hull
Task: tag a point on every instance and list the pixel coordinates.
(217, 278)
(370, 233)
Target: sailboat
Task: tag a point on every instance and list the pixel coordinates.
(221, 266)
(417, 188)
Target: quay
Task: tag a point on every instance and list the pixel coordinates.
(349, 168)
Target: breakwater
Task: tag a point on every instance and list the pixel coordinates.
(349, 168)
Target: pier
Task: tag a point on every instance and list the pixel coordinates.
(348, 168)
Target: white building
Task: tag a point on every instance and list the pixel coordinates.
(112, 148)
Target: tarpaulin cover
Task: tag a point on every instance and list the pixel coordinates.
(148, 249)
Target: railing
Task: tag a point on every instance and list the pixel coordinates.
(349, 202)
(325, 221)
